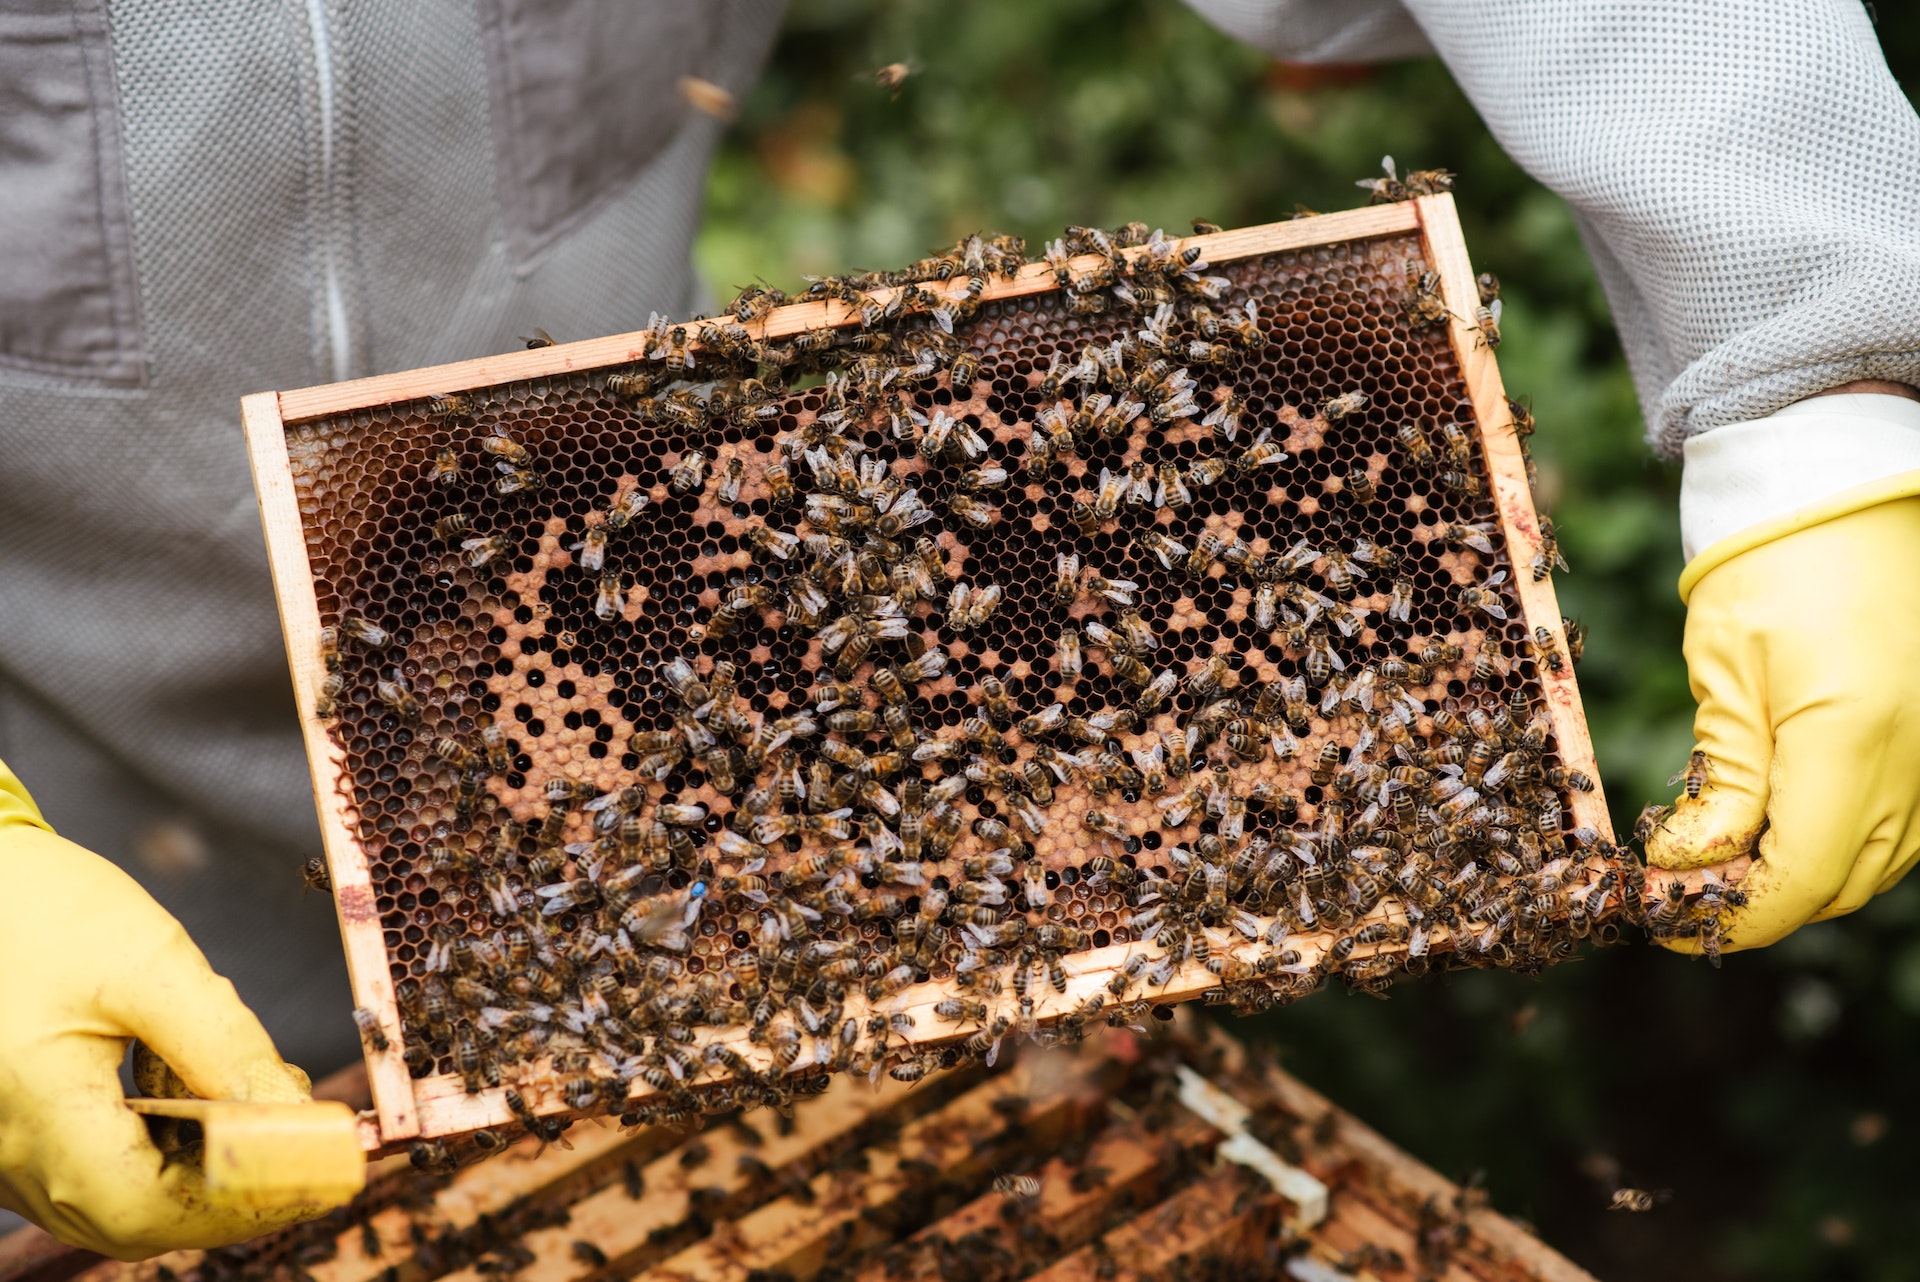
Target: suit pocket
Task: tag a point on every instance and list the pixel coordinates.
(68, 306)
(585, 95)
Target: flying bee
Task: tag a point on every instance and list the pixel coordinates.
(1694, 775)
(398, 698)
(689, 475)
(1488, 597)
(1548, 558)
(539, 338)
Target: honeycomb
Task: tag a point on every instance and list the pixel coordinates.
(699, 713)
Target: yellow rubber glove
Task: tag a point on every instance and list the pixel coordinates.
(1803, 652)
(88, 960)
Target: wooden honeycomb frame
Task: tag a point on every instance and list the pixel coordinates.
(861, 1180)
(438, 1105)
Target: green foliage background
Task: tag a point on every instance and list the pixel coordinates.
(1768, 1096)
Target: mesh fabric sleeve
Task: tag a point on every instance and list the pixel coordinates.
(1746, 177)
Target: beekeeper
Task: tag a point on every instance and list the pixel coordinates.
(205, 201)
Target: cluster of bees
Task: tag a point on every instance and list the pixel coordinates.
(856, 842)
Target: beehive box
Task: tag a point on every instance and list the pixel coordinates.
(823, 766)
(920, 1182)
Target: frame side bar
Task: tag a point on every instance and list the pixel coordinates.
(353, 897)
(1506, 464)
(308, 403)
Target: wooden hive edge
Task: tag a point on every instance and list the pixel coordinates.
(1506, 463)
(361, 933)
(305, 404)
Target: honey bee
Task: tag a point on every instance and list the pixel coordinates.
(502, 447)
(398, 698)
(515, 480)
(1487, 324)
(1424, 305)
(539, 338)
(779, 479)
(1400, 602)
(734, 474)
(1653, 818)
(1164, 548)
(1106, 825)
(1225, 417)
(1413, 438)
(370, 1030)
(1107, 499)
(1338, 409)
(689, 475)
(1069, 656)
(1694, 775)
(1179, 758)
(592, 548)
(1066, 576)
(356, 628)
(1548, 558)
(1576, 638)
(981, 516)
(1262, 454)
(1321, 662)
(446, 468)
(1544, 650)
(610, 598)
(482, 550)
(1488, 597)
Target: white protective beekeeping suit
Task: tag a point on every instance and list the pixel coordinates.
(205, 199)
(1746, 177)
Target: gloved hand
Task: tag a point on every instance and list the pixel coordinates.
(1804, 656)
(87, 961)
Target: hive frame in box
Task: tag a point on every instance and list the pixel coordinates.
(1124, 1175)
(405, 1109)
